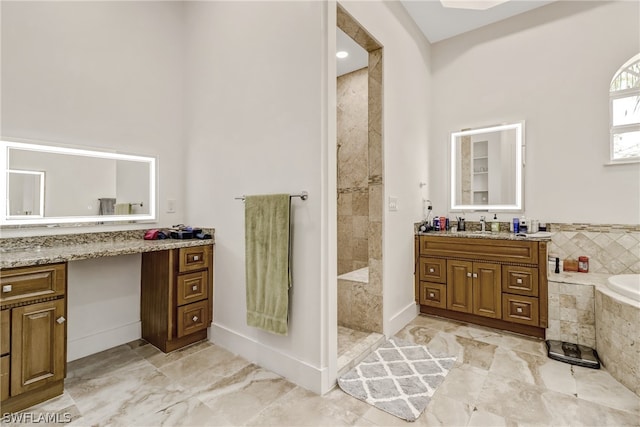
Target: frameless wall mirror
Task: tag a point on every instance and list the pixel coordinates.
(45, 184)
(486, 168)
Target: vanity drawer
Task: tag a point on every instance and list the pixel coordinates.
(433, 269)
(193, 318)
(5, 332)
(195, 258)
(192, 287)
(520, 309)
(433, 294)
(520, 280)
(26, 283)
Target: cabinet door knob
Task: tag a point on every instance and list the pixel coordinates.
(468, 274)
(196, 258)
(431, 294)
(475, 274)
(195, 318)
(519, 309)
(431, 270)
(519, 281)
(61, 320)
(194, 287)
(7, 288)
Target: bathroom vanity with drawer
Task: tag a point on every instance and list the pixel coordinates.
(176, 299)
(498, 281)
(176, 303)
(33, 335)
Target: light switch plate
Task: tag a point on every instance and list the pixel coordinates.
(393, 204)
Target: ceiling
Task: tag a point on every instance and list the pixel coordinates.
(438, 23)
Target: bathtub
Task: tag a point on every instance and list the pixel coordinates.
(627, 285)
(617, 304)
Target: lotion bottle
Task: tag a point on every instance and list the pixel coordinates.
(495, 225)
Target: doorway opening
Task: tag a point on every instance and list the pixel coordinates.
(359, 200)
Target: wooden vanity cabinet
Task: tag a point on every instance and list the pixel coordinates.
(32, 335)
(176, 296)
(499, 283)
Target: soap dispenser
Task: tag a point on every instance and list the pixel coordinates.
(495, 225)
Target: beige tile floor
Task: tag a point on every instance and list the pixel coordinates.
(499, 380)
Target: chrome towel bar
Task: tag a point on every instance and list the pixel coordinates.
(304, 195)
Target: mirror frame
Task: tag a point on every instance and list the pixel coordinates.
(9, 220)
(518, 206)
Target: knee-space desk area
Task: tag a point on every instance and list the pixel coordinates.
(175, 300)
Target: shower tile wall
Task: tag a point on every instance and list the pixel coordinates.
(353, 171)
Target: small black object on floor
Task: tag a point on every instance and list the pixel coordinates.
(574, 354)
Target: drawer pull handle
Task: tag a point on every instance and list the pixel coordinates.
(196, 258)
(519, 281)
(61, 320)
(195, 318)
(431, 294)
(431, 270)
(7, 288)
(194, 288)
(519, 310)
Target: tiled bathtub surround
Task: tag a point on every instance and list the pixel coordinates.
(618, 336)
(612, 249)
(572, 307)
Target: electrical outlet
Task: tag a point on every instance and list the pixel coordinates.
(393, 204)
(171, 206)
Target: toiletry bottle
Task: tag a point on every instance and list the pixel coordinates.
(495, 225)
(516, 225)
(524, 224)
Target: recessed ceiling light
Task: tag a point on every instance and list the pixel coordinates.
(342, 54)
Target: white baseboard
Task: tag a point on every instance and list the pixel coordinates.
(402, 318)
(102, 340)
(295, 370)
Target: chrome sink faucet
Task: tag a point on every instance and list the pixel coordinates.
(482, 223)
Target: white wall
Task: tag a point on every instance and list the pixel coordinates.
(254, 120)
(104, 75)
(550, 67)
(107, 75)
(406, 125)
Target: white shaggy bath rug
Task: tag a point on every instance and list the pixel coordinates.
(399, 378)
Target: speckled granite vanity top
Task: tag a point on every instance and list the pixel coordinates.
(26, 251)
(536, 237)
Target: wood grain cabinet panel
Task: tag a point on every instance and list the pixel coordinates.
(433, 294)
(37, 342)
(500, 283)
(26, 283)
(33, 335)
(176, 300)
(433, 270)
(520, 280)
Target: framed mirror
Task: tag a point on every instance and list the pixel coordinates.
(46, 184)
(486, 169)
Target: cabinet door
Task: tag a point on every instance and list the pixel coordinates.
(487, 290)
(459, 286)
(37, 345)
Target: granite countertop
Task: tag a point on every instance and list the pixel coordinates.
(66, 248)
(537, 237)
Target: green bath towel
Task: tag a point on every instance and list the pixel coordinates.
(267, 261)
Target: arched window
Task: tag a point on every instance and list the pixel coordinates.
(624, 107)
